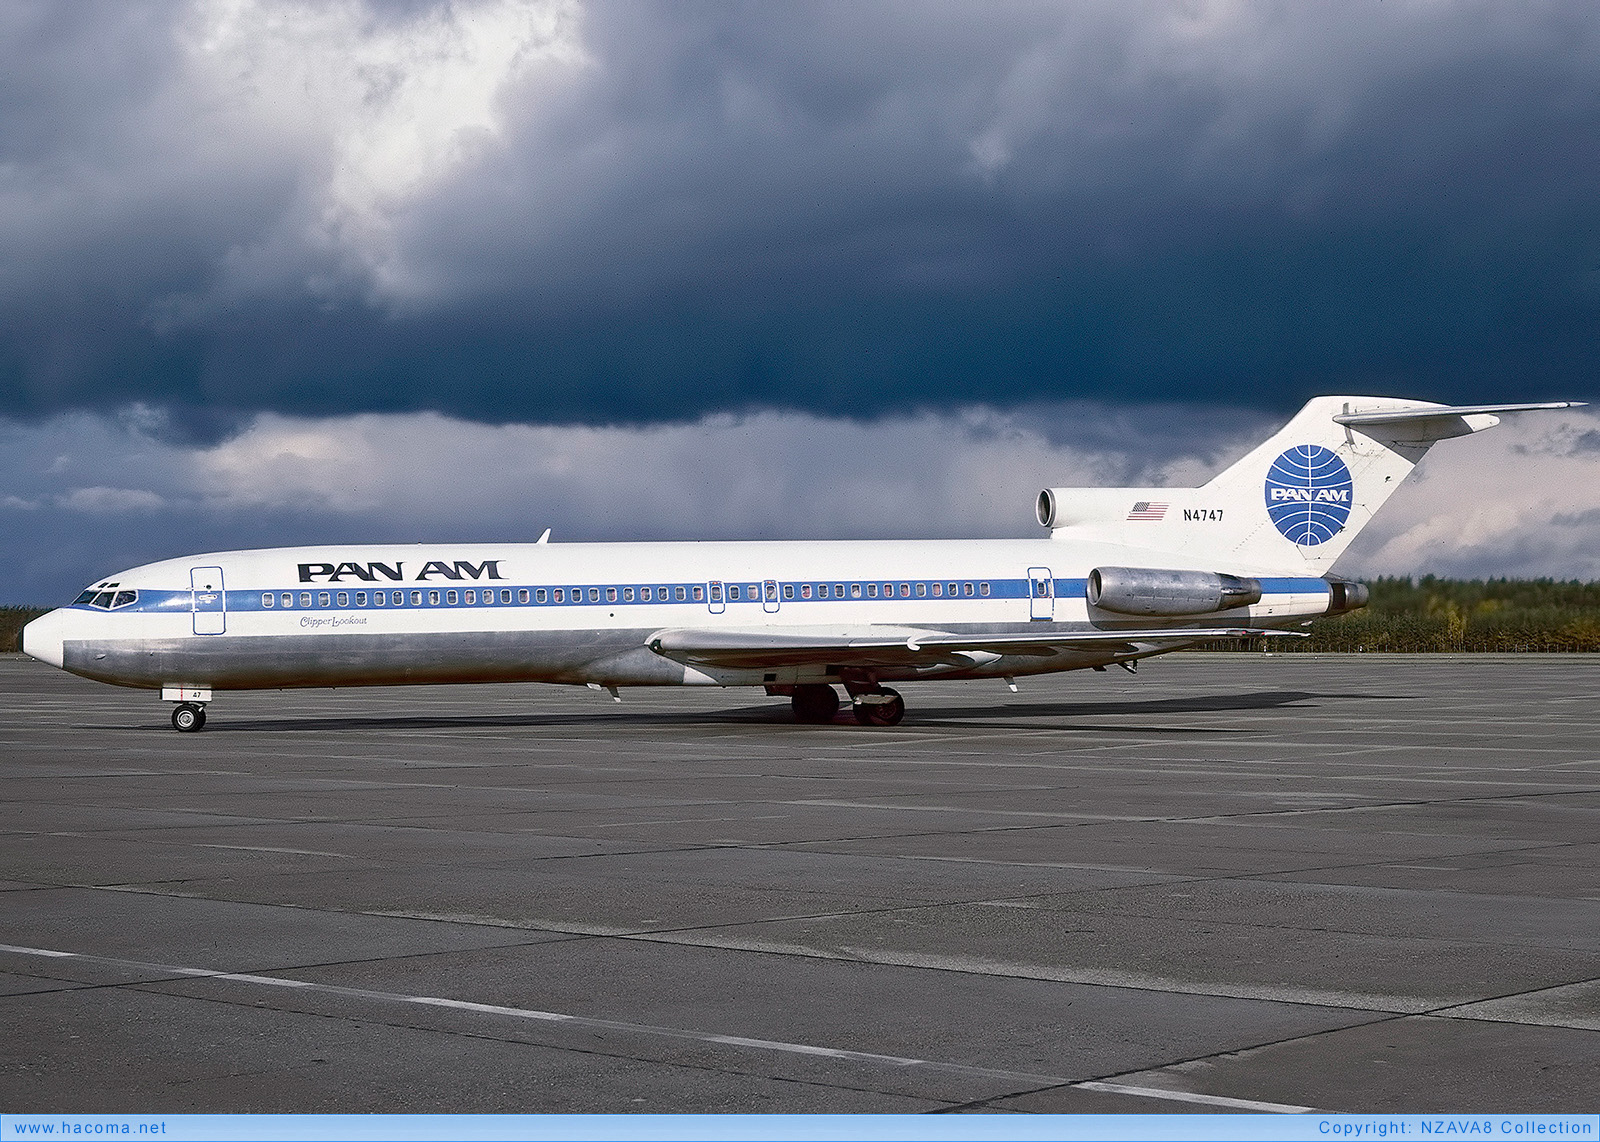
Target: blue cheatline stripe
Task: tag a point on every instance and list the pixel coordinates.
(662, 594)
(1294, 586)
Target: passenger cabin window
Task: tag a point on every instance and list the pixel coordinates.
(627, 594)
(322, 598)
(922, 590)
(522, 595)
(433, 598)
(450, 598)
(539, 596)
(699, 593)
(416, 598)
(983, 589)
(611, 594)
(344, 598)
(305, 599)
(470, 598)
(952, 590)
(268, 599)
(288, 599)
(361, 598)
(938, 590)
(505, 595)
(966, 588)
(398, 598)
(788, 590)
(872, 590)
(594, 594)
(716, 592)
(682, 594)
(855, 590)
(805, 590)
(733, 593)
(379, 598)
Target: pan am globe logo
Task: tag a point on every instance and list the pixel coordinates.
(1308, 494)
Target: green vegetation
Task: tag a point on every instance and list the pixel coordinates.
(1429, 614)
(12, 620)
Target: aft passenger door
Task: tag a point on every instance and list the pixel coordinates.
(1041, 593)
(207, 600)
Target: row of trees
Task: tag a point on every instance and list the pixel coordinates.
(1429, 614)
(1406, 615)
(12, 620)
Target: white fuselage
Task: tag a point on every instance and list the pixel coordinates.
(585, 612)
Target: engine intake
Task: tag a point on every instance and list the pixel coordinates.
(1152, 591)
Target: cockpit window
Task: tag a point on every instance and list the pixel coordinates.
(106, 600)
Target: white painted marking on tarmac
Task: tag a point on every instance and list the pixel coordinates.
(37, 952)
(1021, 1079)
(264, 849)
(1202, 1099)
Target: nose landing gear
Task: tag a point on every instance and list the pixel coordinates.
(188, 717)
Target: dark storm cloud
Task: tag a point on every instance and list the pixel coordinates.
(648, 212)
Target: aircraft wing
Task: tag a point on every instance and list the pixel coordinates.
(866, 647)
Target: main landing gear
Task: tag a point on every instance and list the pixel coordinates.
(880, 707)
(188, 717)
(817, 704)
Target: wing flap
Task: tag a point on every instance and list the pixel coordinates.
(887, 646)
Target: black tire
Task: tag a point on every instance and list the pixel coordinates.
(881, 713)
(187, 718)
(815, 704)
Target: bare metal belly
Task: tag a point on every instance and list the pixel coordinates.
(230, 662)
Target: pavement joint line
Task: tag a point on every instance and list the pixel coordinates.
(1040, 1082)
(588, 1023)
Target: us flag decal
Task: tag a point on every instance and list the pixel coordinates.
(1146, 509)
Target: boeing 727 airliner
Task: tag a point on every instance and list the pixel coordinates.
(1125, 573)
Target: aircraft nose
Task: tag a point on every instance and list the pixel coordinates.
(42, 638)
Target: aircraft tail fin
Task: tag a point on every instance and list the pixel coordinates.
(1295, 502)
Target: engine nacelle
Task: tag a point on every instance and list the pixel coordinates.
(1345, 596)
(1152, 591)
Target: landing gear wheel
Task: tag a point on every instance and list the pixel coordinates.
(815, 703)
(188, 717)
(886, 711)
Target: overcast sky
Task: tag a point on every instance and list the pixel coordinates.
(278, 273)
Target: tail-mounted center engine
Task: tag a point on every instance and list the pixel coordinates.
(1344, 596)
(1150, 591)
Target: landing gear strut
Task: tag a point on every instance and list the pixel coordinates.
(879, 707)
(814, 703)
(188, 717)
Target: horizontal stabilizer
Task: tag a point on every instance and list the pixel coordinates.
(1433, 412)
